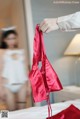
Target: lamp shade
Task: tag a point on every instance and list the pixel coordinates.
(74, 46)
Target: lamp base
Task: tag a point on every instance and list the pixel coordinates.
(77, 71)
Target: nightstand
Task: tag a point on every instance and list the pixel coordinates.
(68, 93)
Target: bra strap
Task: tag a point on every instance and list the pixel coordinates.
(49, 106)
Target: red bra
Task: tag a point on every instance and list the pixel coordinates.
(43, 80)
(71, 112)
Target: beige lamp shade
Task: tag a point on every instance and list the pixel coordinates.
(74, 47)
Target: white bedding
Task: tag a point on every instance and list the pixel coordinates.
(41, 112)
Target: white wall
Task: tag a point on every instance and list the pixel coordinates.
(29, 27)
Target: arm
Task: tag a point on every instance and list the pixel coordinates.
(2, 80)
(25, 61)
(70, 22)
(65, 23)
(1, 68)
(27, 73)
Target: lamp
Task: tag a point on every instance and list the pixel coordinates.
(74, 50)
(74, 47)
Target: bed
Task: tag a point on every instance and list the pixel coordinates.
(41, 112)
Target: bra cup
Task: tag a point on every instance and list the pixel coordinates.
(44, 80)
(52, 79)
(39, 91)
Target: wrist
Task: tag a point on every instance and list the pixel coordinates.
(57, 26)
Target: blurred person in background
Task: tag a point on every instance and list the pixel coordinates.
(13, 74)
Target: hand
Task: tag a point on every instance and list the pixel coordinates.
(28, 91)
(28, 88)
(48, 25)
(2, 88)
(3, 81)
(2, 92)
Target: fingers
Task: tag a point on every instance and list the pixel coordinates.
(48, 25)
(48, 30)
(42, 23)
(28, 92)
(44, 26)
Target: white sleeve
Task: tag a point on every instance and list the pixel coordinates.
(70, 22)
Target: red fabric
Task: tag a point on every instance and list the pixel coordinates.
(70, 113)
(44, 79)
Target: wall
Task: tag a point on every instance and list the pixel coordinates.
(17, 19)
(4, 13)
(56, 42)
